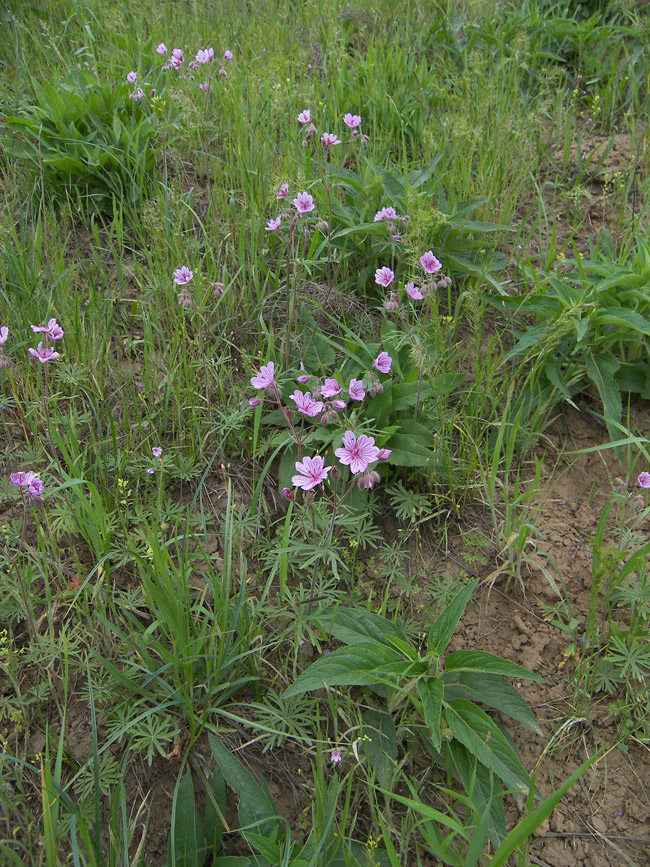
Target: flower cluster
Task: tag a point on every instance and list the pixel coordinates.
(30, 481)
(329, 139)
(325, 400)
(430, 263)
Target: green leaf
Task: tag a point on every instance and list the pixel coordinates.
(187, 843)
(492, 690)
(379, 728)
(408, 452)
(601, 370)
(355, 626)
(446, 622)
(256, 808)
(417, 178)
(626, 318)
(215, 811)
(480, 660)
(484, 739)
(530, 338)
(267, 848)
(431, 693)
(347, 666)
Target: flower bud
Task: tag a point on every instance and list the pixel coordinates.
(335, 473)
(288, 494)
(303, 378)
(339, 405)
(255, 401)
(323, 225)
(368, 480)
(638, 503)
(289, 413)
(384, 454)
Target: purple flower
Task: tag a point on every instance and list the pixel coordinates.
(204, 86)
(4, 333)
(266, 377)
(176, 59)
(162, 48)
(351, 120)
(43, 353)
(328, 139)
(384, 454)
(283, 192)
(384, 276)
(383, 362)
(339, 405)
(273, 224)
(132, 77)
(150, 470)
(183, 275)
(357, 453)
(414, 292)
(255, 402)
(204, 56)
(430, 263)
(336, 757)
(227, 55)
(52, 329)
(386, 214)
(644, 480)
(156, 451)
(356, 390)
(311, 472)
(306, 404)
(330, 388)
(304, 116)
(303, 378)
(28, 480)
(304, 203)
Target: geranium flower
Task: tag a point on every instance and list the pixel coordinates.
(330, 388)
(311, 472)
(183, 275)
(4, 333)
(305, 116)
(356, 390)
(383, 362)
(304, 203)
(357, 453)
(204, 55)
(266, 377)
(43, 353)
(227, 55)
(274, 224)
(329, 139)
(644, 480)
(386, 214)
(351, 120)
(306, 404)
(176, 59)
(162, 48)
(414, 292)
(430, 263)
(132, 77)
(283, 192)
(384, 276)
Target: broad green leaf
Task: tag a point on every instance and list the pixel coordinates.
(480, 785)
(494, 691)
(215, 812)
(480, 660)
(431, 692)
(354, 626)
(267, 848)
(347, 666)
(601, 370)
(530, 338)
(187, 843)
(379, 729)
(256, 809)
(233, 861)
(408, 451)
(405, 394)
(421, 176)
(485, 740)
(552, 369)
(445, 625)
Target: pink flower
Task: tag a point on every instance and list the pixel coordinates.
(384, 276)
(330, 388)
(644, 480)
(162, 48)
(328, 139)
(176, 59)
(150, 470)
(351, 120)
(204, 56)
(184, 298)
(303, 378)
(183, 275)
(156, 451)
(384, 454)
(205, 86)
(132, 77)
(283, 192)
(138, 94)
(266, 377)
(274, 224)
(43, 353)
(304, 203)
(383, 362)
(430, 263)
(227, 55)
(339, 405)
(414, 292)
(356, 390)
(306, 404)
(255, 402)
(336, 757)
(311, 472)
(357, 453)
(386, 214)
(304, 116)
(4, 333)
(52, 329)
